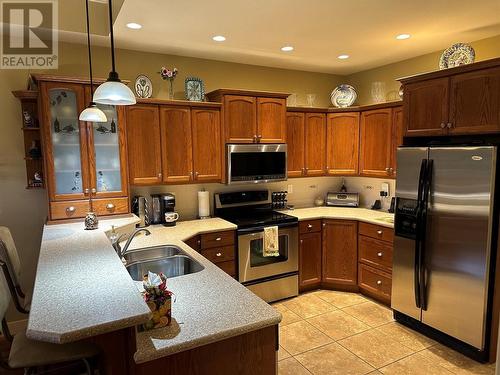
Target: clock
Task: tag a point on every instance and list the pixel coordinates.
(195, 91)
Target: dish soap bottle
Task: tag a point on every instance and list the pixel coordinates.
(343, 189)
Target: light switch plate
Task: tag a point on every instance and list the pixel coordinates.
(385, 188)
(289, 189)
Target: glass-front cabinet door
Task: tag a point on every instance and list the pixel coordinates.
(65, 141)
(107, 153)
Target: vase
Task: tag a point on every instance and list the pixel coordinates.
(161, 314)
(171, 89)
(91, 221)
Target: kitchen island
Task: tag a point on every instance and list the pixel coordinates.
(83, 291)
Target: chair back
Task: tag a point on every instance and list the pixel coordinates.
(9, 255)
(4, 297)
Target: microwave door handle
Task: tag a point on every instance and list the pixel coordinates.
(418, 236)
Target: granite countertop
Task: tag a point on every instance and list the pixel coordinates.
(382, 218)
(81, 287)
(209, 305)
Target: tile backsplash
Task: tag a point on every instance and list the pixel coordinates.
(301, 191)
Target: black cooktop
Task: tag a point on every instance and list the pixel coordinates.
(250, 219)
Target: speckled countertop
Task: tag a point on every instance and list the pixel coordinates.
(366, 215)
(209, 305)
(81, 287)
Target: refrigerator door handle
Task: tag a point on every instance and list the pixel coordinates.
(423, 233)
(418, 237)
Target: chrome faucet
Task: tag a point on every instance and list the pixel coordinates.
(116, 244)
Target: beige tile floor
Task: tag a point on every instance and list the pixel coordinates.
(329, 333)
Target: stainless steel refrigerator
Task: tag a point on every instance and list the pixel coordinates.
(444, 229)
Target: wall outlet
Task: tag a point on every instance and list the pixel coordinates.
(368, 187)
(385, 188)
(289, 188)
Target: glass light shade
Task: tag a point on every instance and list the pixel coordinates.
(114, 93)
(92, 114)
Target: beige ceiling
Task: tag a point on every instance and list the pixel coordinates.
(320, 30)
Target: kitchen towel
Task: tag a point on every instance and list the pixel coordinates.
(203, 204)
(271, 242)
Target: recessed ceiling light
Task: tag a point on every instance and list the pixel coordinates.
(342, 57)
(402, 36)
(219, 38)
(287, 48)
(134, 26)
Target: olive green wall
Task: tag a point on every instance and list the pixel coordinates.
(485, 49)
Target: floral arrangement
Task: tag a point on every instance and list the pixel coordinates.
(159, 300)
(168, 74)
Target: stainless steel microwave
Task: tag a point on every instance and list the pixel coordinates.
(256, 163)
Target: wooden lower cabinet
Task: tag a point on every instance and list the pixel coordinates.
(340, 254)
(310, 252)
(219, 248)
(375, 283)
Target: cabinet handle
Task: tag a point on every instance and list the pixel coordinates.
(379, 282)
(301, 241)
(159, 175)
(93, 190)
(379, 254)
(110, 206)
(324, 225)
(379, 232)
(443, 125)
(218, 239)
(218, 254)
(70, 209)
(309, 226)
(449, 125)
(86, 191)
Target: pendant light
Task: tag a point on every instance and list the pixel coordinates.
(91, 113)
(113, 91)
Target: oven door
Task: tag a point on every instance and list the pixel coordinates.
(254, 266)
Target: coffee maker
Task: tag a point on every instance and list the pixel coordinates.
(164, 204)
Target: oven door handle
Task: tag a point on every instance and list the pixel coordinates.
(261, 228)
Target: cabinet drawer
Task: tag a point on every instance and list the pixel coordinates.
(110, 206)
(309, 226)
(217, 239)
(228, 267)
(219, 254)
(377, 282)
(69, 209)
(376, 231)
(375, 253)
(194, 243)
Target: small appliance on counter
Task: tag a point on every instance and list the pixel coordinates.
(342, 199)
(141, 210)
(163, 209)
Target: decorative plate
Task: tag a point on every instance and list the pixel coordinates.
(343, 96)
(194, 88)
(143, 87)
(458, 54)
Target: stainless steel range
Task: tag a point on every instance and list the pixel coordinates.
(271, 278)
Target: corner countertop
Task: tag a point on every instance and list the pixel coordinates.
(81, 287)
(382, 218)
(209, 305)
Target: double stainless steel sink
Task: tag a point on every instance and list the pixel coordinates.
(171, 260)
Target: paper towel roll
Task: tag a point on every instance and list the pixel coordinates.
(203, 204)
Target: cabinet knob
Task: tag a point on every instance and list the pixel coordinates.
(449, 125)
(255, 139)
(86, 191)
(196, 174)
(259, 137)
(379, 254)
(379, 232)
(309, 226)
(301, 241)
(391, 170)
(379, 282)
(218, 239)
(443, 125)
(110, 206)
(324, 225)
(218, 254)
(93, 190)
(159, 175)
(387, 169)
(70, 209)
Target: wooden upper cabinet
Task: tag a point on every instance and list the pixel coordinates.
(426, 107)
(143, 144)
(475, 102)
(177, 154)
(310, 252)
(376, 143)
(397, 135)
(315, 146)
(240, 119)
(207, 156)
(271, 120)
(295, 138)
(342, 143)
(340, 253)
